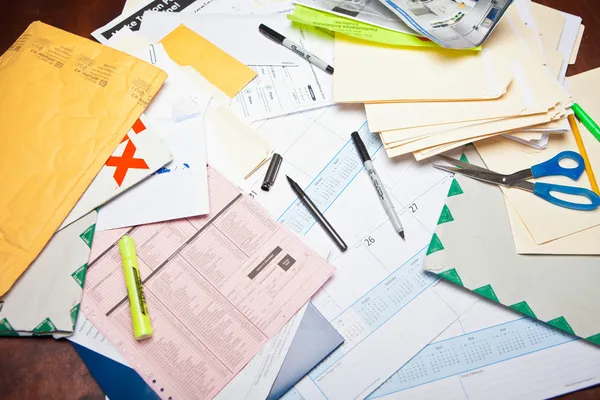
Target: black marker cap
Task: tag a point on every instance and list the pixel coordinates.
(272, 172)
(271, 34)
(360, 147)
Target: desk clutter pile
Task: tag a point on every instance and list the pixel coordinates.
(314, 199)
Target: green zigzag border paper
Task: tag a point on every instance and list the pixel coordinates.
(523, 307)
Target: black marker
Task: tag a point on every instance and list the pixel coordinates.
(317, 214)
(296, 48)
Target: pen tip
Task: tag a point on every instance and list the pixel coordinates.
(290, 180)
(401, 233)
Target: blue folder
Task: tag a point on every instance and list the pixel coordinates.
(314, 340)
(117, 381)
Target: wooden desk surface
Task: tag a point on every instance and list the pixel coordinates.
(44, 368)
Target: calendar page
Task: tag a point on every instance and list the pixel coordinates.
(381, 301)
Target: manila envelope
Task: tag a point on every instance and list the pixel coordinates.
(533, 91)
(67, 103)
(435, 150)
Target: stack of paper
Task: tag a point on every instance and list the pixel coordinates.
(428, 101)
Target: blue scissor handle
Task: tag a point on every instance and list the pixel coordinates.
(543, 190)
(552, 166)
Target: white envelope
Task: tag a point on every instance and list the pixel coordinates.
(141, 143)
(180, 189)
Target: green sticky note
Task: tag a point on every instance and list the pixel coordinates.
(356, 29)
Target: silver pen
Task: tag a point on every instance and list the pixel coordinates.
(312, 208)
(383, 196)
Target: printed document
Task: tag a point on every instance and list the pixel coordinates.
(217, 287)
(281, 90)
(370, 12)
(458, 24)
(133, 19)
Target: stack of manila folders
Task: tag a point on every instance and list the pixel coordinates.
(427, 101)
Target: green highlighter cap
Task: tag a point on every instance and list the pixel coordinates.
(586, 120)
(142, 326)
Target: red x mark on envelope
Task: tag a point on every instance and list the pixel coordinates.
(137, 127)
(125, 162)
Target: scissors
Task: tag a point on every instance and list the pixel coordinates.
(543, 190)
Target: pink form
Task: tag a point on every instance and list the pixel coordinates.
(217, 286)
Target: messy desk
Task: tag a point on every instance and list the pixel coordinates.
(351, 206)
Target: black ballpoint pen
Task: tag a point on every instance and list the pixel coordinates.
(317, 214)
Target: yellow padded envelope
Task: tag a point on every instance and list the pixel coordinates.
(65, 104)
(186, 47)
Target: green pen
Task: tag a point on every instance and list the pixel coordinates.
(586, 120)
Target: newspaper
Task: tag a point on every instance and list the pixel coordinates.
(133, 20)
(368, 11)
(457, 24)
(134, 10)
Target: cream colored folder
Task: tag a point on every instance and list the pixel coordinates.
(531, 91)
(584, 88)
(474, 132)
(367, 72)
(544, 221)
(550, 24)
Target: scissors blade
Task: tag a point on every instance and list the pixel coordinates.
(458, 163)
(483, 176)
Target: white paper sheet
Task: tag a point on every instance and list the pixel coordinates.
(244, 42)
(284, 90)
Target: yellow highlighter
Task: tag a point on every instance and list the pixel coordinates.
(142, 327)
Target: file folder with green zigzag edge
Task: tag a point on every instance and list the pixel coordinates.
(473, 247)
